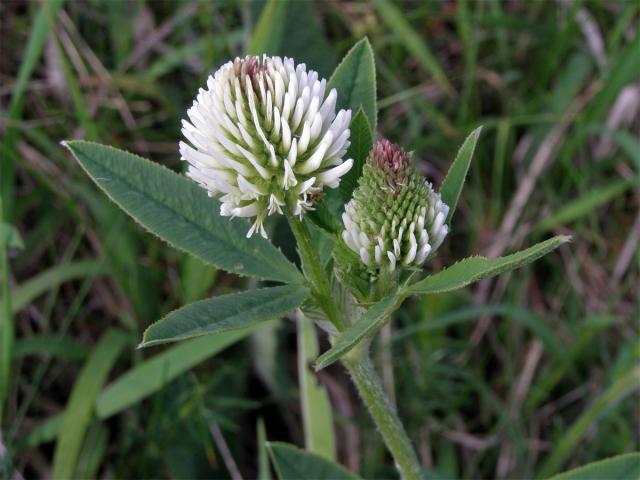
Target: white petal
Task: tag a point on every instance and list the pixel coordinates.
(364, 240)
(364, 255)
(286, 134)
(293, 152)
(315, 159)
(440, 236)
(331, 177)
(396, 247)
(422, 254)
(304, 138)
(413, 248)
(250, 210)
(438, 222)
(254, 162)
(289, 180)
(328, 107)
(346, 236)
(392, 261)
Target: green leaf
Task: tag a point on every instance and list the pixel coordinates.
(291, 28)
(355, 81)
(325, 213)
(10, 237)
(291, 463)
(77, 414)
(317, 418)
(473, 269)
(453, 182)
(372, 321)
(398, 24)
(583, 205)
(145, 379)
(351, 272)
(224, 313)
(180, 212)
(323, 243)
(620, 467)
(361, 139)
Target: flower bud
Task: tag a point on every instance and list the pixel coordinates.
(394, 218)
(264, 137)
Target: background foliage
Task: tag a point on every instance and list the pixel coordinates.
(525, 376)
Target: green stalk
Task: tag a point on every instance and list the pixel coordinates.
(359, 365)
(6, 325)
(313, 270)
(358, 361)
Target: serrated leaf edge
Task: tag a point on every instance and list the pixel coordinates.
(67, 143)
(150, 343)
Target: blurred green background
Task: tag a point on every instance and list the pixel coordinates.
(522, 377)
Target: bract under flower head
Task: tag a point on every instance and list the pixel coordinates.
(264, 137)
(395, 217)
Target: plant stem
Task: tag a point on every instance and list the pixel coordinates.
(358, 363)
(314, 271)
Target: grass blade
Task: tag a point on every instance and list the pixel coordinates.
(39, 32)
(583, 205)
(77, 415)
(569, 441)
(316, 410)
(153, 374)
(393, 17)
(25, 293)
(264, 471)
(291, 28)
(93, 451)
(10, 237)
(64, 347)
(145, 379)
(7, 328)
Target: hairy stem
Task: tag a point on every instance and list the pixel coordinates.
(313, 270)
(367, 381)
(358, 361)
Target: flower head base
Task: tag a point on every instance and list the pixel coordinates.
(394, 218)
(265, 137)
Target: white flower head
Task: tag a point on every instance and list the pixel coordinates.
(264, 137)
(394, 218)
